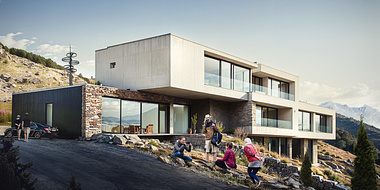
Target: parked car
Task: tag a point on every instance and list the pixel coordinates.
(37, 130)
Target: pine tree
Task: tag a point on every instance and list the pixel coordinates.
(12, 173)
(306, 171)
(364, 169)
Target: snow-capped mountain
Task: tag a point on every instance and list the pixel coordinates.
(371, 115)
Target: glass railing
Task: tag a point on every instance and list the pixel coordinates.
(323, 129)
(225, 82)
(265, 122)
(271, 92)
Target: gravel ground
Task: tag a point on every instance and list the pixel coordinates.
(104, 166)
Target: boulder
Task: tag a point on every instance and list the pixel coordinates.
(153, 148)
(293, 183)
(96, 136)
(317, 178)
(337, 171)
(329, 183)
(163, 159)
(341, 167)
(6, 77)
(179, 161)
(119, 140)
(333, 165)
(107, 138)
(35, 81)
(279, 186)
(340, 186)
(325, 157)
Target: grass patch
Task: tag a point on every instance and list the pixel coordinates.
(39, 86)
(5, 61)
(331, 175)
(153, 143)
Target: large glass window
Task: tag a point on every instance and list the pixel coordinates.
(304, 121)
(150, 116)
(110, 115)
(212, 71)
(226, 75)
(241, 78)
(321, 124)
(181, 118)
(273, 144)
(278, 88)
(266, 116)
(163, 115)
(284, 146)
(130, 114)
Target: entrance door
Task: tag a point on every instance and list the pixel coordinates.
(49, 114)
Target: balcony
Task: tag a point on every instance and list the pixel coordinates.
(265, 122)
(271, 92)
(324, 129)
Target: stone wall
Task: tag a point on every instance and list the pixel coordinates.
(219, 112)
(92, 104)
(201, 108)
(241, 114)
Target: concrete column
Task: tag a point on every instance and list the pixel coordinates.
(279, 146)
(171, 119)
(290, 147)
(315, 151)
(304, 146)
(313, 125)
(266, 142)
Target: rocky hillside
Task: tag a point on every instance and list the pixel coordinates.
(20, 74)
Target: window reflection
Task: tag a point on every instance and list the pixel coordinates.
(110, 115)
(181, 118)
(211, 71)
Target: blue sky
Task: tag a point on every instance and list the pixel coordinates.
(333, 46)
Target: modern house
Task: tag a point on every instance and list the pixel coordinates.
(162, 81)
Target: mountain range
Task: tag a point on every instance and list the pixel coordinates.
(371, 115)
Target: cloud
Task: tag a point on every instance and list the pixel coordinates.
(51, 49)
(9, 41)
(88, 63)
(354, 96)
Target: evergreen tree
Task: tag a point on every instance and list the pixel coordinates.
(306, 171)
(364, 169)
(12, 173)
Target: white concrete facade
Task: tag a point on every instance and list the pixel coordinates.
(171, 65)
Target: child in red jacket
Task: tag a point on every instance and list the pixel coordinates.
(228, 161)
(255, 160)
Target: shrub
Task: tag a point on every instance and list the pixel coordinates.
(220, 126)
(327, 153)
(5, 116)
(12, 173)
(73, 184)
(306, 171)
(333, 155)
(331, 175)
(230, 131)
(240, 133)
(324, 150)
(5, 61)
(153, 143)
(339, 157)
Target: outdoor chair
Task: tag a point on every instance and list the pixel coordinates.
(133, 129)
(148, 129)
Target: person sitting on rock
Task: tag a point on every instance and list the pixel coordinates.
(228, 161)
(179, 147)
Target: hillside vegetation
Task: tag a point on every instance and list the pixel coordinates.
(19, 74)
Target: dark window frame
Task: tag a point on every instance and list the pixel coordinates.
(232, 71)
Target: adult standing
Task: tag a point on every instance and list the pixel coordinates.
(255, 160)
(18, 126)
(209, 129)
(26, 121)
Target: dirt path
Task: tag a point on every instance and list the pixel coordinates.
(103, 166)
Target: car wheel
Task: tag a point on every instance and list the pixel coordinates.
(37, 135)
(8, 134)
